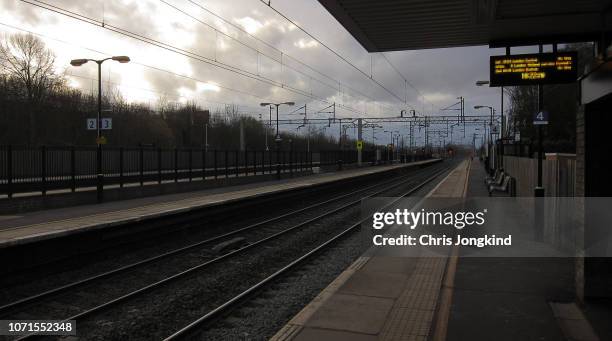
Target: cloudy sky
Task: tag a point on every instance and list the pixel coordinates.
(241, 52)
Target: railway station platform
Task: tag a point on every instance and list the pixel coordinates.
(380, 298)
(446, 298)
(16, 230)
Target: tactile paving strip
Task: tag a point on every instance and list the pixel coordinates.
(412, 314)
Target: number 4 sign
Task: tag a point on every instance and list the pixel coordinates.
(540, 118)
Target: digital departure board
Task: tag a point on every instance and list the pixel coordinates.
(534, 69)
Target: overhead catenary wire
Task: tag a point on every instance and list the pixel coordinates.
(138, 63)
(283, 54)
(180, 51)
(248, 113)
(170, 72)
(175, 96)
(406, 81)
(186, 53)
(268, 4)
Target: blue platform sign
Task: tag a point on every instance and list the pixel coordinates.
(540, 118)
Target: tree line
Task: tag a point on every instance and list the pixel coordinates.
(37, 107)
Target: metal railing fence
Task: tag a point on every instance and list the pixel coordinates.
(45, 168)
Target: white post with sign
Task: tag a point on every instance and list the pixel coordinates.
(105, 124)
(359, 140)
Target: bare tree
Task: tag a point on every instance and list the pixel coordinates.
(26, 59)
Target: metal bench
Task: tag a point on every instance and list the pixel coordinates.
(495, 179)
(504, 187)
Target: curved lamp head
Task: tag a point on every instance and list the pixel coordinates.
(481, 83)
(78, 62)
(289, 103)
(478, 106)
(265, 104)
(121, 59)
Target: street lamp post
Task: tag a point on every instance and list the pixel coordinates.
(397, 145)
(492, 110)
(79, 62)
(267, 128)
(277, 139)
(391, 144)
(206, 136)
(502, 126)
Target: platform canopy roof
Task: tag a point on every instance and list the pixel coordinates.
(391, 25)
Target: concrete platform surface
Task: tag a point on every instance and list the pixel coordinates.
(517, 298)
(41, 225)
(452, 298)
(379, 298)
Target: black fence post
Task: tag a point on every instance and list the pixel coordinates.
(281, 164)
(120, 167)
(99, 176)
(310, 161)
(43, 169)
(215, 162)
(190, 164)
(159, 165)
(175, 164)
(141, 165)
(237, 163)
(9, 171)
(226, 164)
(263, 162)
(72, 170)
(246, 162)
(255, 162)
(291, 159)
(203, 164)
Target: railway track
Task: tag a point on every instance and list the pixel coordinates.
(108, 289)
(217, 313)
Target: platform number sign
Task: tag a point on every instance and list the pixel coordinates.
(540, 118)
(91, 124)
(106, 124)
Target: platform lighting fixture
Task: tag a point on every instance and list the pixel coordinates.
(265, 104)
(277, 139)
(80, 62)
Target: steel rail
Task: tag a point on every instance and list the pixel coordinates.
(215, 313)
(30, 299)
(224, 256)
